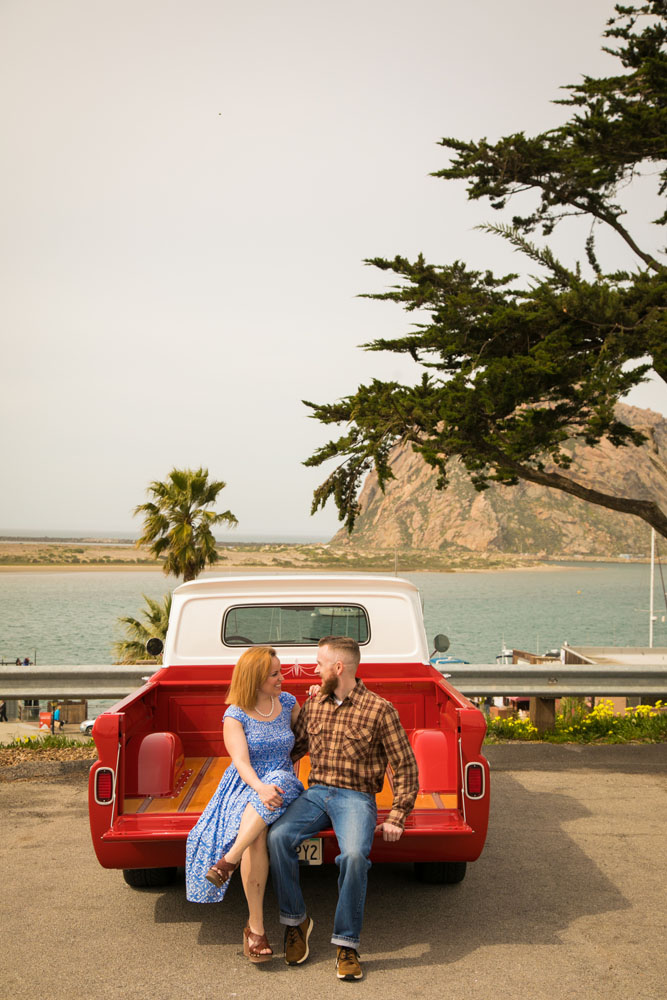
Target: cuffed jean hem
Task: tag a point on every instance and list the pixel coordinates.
(291, 921)
(345, 942)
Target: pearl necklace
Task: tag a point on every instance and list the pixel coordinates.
(269, 713)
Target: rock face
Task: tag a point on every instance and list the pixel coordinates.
(524, 518)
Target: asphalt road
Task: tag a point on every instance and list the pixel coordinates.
(567, 900)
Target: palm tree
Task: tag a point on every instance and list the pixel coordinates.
(156, 617)
(178, 523)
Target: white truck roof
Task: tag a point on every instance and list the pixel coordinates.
(392, 605)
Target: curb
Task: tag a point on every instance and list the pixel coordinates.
(52, 770)
(632, 758)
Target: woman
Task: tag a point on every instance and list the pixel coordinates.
(254, 791)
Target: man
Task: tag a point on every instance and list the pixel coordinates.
(351, 734)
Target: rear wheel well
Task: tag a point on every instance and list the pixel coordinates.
(440, 872)
(149, 878)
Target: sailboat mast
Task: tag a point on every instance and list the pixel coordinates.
(650, 613)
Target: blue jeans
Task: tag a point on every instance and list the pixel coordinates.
(353, 816)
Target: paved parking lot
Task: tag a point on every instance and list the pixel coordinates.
(567, 900)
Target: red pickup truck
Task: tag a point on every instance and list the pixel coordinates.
(162, 753)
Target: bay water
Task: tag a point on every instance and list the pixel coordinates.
(71, 617)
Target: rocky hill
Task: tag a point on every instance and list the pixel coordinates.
(524, 518)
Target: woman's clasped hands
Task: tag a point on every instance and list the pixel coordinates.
(271, 796)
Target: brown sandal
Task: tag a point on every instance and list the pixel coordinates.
(221, 872)
(253, 944)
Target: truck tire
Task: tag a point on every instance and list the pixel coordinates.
(149, 878)
(440, 872)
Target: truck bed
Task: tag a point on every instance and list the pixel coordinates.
(138, 827)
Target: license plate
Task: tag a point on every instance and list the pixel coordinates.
(310, 852)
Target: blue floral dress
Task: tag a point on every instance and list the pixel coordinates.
(269, 746)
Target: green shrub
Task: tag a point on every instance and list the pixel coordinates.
(576, 724)
(512, 728)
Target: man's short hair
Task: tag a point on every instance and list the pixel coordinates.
(346, 648)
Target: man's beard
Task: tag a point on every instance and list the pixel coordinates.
(329, 685)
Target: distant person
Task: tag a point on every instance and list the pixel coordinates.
(26, 662)
(3, 711)
(57, 718)
(18, 661)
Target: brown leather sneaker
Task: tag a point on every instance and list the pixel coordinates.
(296, 942)
(348, 966)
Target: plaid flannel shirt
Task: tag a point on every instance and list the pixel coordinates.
(351, 744)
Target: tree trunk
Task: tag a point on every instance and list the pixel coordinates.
(648, 510)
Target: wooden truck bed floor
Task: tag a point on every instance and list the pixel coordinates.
(200, 776)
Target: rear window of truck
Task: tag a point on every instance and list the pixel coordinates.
(292, 624)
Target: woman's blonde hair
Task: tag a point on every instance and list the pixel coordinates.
(250, 672)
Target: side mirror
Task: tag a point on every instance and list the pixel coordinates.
(441, 643)
(154, 646)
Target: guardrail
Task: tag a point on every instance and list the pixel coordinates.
(557, 680)
(544, 680)
(96, 681)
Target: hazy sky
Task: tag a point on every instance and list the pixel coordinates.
(190, 190)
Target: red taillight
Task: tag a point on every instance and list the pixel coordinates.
(104, 786)
(474, 781)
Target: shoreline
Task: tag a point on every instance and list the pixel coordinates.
(96, 557)
(227, 570)
(80, 568)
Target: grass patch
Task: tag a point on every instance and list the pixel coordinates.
(26, 749)
(46, 742)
